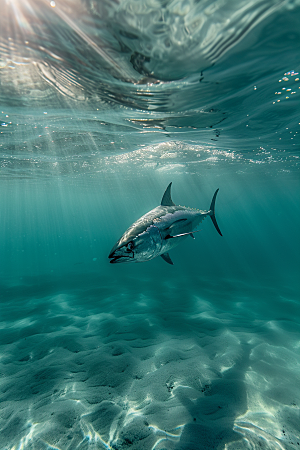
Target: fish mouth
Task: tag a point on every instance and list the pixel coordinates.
(115, 259)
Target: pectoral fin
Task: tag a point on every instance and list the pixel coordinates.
(191, 233)
(166, 257)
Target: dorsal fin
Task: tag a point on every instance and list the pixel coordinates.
(166, 200)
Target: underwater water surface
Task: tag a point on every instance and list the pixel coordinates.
(102, 105)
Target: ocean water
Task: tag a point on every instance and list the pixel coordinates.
(102, 105)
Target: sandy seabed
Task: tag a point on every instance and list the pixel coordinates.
(157, 367)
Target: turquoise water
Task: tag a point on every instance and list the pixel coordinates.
(102, 105)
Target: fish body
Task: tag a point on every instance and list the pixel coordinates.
(158, 231)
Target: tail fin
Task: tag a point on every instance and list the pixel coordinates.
(212, 213)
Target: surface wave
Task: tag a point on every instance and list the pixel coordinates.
(113, 50)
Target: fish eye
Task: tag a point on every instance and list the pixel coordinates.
(130, 246)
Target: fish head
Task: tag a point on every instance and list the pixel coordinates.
(137, 247)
